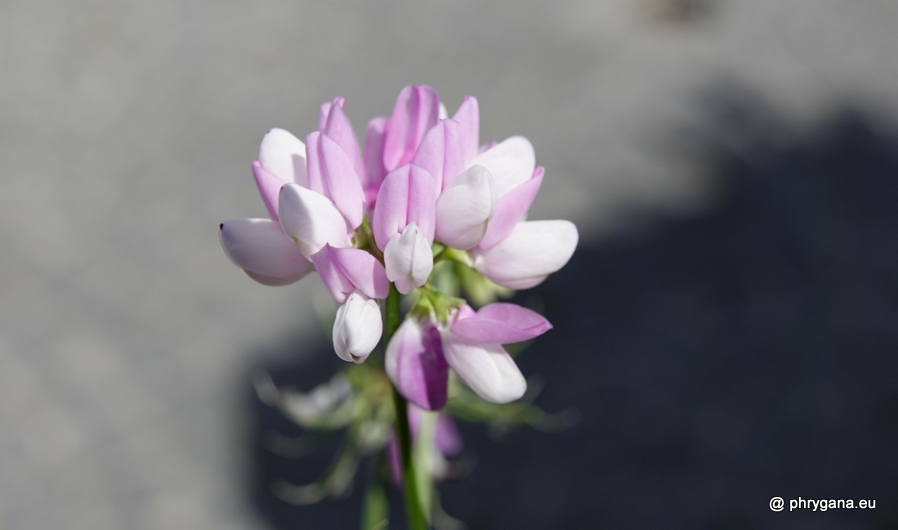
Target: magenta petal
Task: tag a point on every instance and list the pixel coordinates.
(339, 128)
(511, 209)
(501, 324)
(269, 186)
(468, 117)
(344, 270)
(374, 159)
(415, 363)
(447, 438)
(440, 152)
(417, 110)
(407, 195)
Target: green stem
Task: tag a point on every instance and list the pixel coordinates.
(416, 519)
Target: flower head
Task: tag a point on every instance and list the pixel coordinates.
(364, 218)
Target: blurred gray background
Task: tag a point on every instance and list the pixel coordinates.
(127, 130)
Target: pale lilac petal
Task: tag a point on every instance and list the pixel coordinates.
(532, 251)
(284, 155)
(271, 281)
(422, 199)
(331, 174)
(416, 111)
(263, 250)
(501, 323)
(407, 195)
(342, 182)
(357, 328)
(487, 369)
(339, 128)
(390, 213)
(311, 219)
(443, 114)
(511, 209)
(374, 159)
(269, 186)
(326, 111)
(414, 362)
(468, 118)
(464, 209)
(408, 259)
(315, 170)
(440, 152)
(511, 163)
(344, 270)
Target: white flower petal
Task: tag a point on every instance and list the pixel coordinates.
(263, 250)
(487, 369)
(532, 251)
(510, 163)
(311, 219)
(284, 155)
(465, 207)
(408, 259)
(357, 328)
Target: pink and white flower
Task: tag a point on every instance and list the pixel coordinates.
(403, 225)
(259, 246)
(420, 353)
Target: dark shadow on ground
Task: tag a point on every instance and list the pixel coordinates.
(717, 361)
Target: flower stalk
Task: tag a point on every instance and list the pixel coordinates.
(414, 513)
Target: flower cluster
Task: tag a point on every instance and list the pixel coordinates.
(421, 191)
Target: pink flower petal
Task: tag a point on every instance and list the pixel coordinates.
(468, 118)
(374, 159)
(331, 174)
(532, 251)
(510, 163)
(414, 362)
(416, 111)
(511, 209)
(501, 324)
(325, 111)
(269, 186)
(263, 250)
(440, 152)
(407, 195)
(343, 184)
(284, 156)
(344, 270)
(315, 170)
(339, 128)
